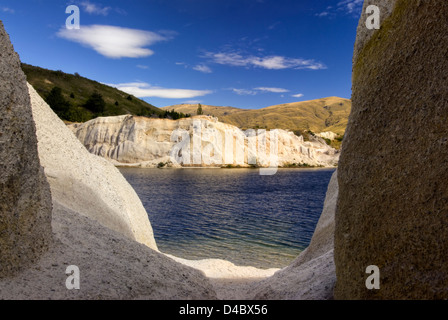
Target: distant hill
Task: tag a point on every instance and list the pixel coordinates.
(77, 90)
(326, 114)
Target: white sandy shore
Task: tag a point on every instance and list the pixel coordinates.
(222, 269)
(230, 282)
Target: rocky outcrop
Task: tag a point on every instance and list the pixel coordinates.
(111, 267)
(393, 206)
(86, 183)
(198, 141)
(25, 198)
(327, 135)
(312, 275)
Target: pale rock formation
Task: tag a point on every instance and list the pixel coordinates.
(25, 198)
(312, 275)
(86, 183)
(111, 266)
(197, 141)
(392, 208)
(327, 135)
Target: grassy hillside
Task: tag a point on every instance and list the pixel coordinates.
(77, 90)
(327, 114)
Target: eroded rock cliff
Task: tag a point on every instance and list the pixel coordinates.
(393, 198)
(198, 141)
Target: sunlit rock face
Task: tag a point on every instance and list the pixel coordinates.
(198, 141)
(392, 210)
(85, 183)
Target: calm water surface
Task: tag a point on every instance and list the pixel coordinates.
(232, 214)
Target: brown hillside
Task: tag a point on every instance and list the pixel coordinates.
(326, 114)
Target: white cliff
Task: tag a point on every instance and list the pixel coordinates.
(197, 141)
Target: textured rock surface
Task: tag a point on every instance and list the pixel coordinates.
(363, 35)
(393, 172)
(111, 266)
(86, 183)
(312, 275)
(147, 142)
(25, 199)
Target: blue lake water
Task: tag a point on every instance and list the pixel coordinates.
(232, 214)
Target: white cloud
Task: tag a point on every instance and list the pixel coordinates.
(273, 90)
(299, 95)
(267, 62)
(141, 66)
(92, 8)
(145, 90)
(114, 42)
(323, 14)
(243, 92)
(350, 7)
(202, 68)
(231, 59)
(8, 10)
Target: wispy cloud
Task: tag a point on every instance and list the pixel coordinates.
(141, 66)
(350, 6)
(274, 25)
(6, 9)
(323, 14)
(202, 68)
(255, 91)
(273, 90)
(93, 8)
(299, 95)
(114, 42)
(244, 92)
(145, 90)
(267, 62)
(347, 7)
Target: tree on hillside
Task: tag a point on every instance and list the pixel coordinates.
(57, 102)
(199, 112)
(95, 103)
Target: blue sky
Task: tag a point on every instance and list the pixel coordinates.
(240, 53)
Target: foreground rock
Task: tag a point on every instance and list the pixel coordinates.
(111, 266)
(198, 141)
(86, 183)
(312, 275)
(25, 199)
(393, 204)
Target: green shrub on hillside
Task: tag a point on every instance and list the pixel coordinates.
(95, 103)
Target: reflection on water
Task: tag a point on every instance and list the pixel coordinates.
(232, 214)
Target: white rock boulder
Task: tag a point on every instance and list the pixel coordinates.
(86, 183)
